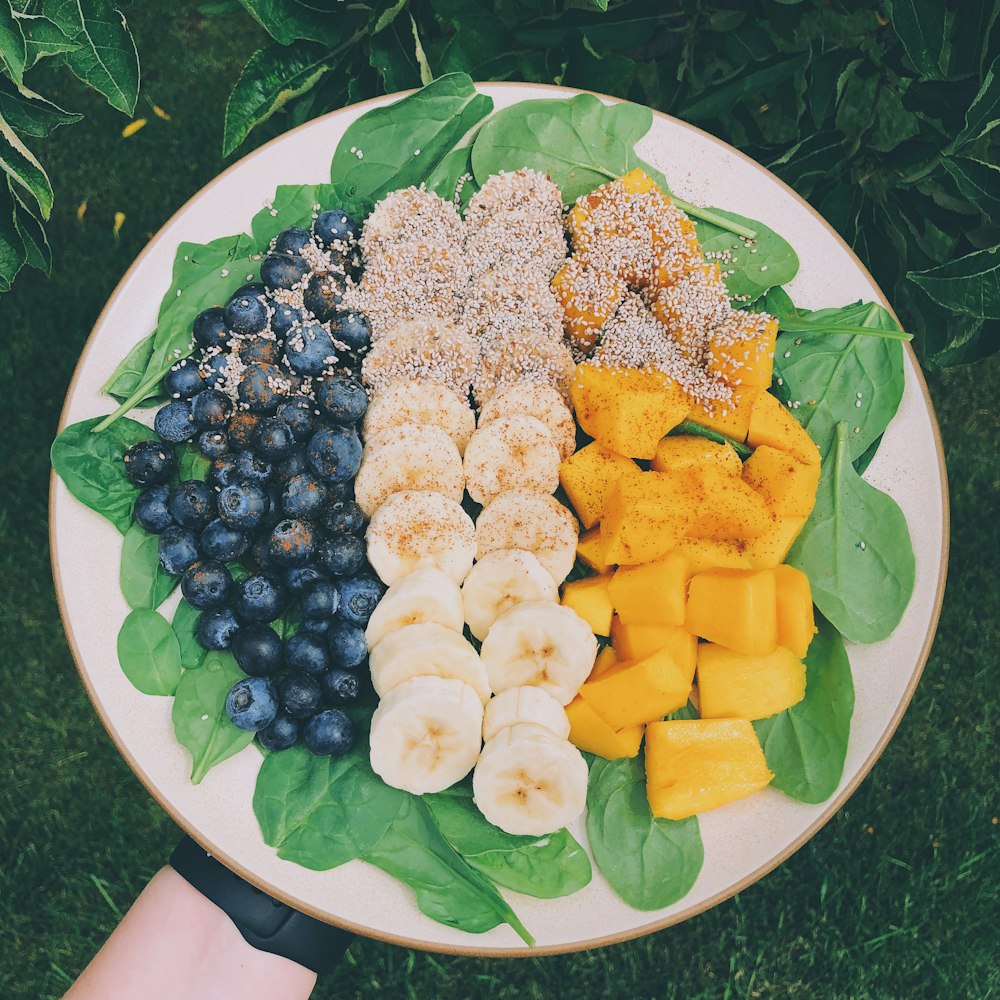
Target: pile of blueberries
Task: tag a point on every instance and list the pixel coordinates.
(278, 502)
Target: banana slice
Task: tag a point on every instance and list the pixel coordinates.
(404, 401)
(425, 595)
(543, 644)
(533, 399)
(425, 734)
(428, 650)
(525, 704)
(535, 522)
(500, 580)
(408, 457)
(510, 453)
(529, 781)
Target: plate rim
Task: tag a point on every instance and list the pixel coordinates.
(831, 807)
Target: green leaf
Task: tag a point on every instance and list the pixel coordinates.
(22, 168)
(689, 428)
(13, 50)
(191, 463)
(43, 37)
(30, 113)
(971, 34)
(144, 583)
(185, 623)
(894, 122)
(13, 253)
(148, 653)
(392, 53)
(805, 746)
(984, 113)
(856, 550)
(128, 376)
(920, 27)
(292, 205)
(650, 862)
(106, 58)
(29, 228)
(287, 21)
(978, 181)
(970, 284)
(715, 101)
(199, 714)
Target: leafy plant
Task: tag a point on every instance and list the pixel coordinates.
(143, 581)
(185, 622)
(148, 653)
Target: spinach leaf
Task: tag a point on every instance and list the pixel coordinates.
(191, 463)
(292, 205)
(322, 811)
(856, 550)
(185, 622)
(199, 714)
(143, 581)
(405, 142)
(970, 284)
(148, 653)
(92, 469)
(805, 745)
(546, 867)
(448, 889)
(692, 429)
(127, 377)
(649, 862)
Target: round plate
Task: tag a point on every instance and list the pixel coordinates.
(743, 840)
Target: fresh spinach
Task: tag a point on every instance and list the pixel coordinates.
(692, 429)
(185, 622)
(148, 653)
(292, 205)
(546, 867)
(649, 862)
(856, 550)
(806, 745)
(127, 377)
(143, 581)
(191, 463)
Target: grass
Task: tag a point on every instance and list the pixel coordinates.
(895, 897)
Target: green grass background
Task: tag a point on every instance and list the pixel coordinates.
(895, 897)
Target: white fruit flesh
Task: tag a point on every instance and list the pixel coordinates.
(407, 402)
(540, 401)
(500, 580)
(524, 704)
(514, 452)
(425, 595)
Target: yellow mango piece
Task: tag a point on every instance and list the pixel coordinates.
(627, 410)
(589, 598)
(725, 508)
(590, 733)
(685, 451)
(787, 485)
(741, 348)
(606, 659)
(732, 685)
(637, 181)
(653, 593)
(605, 211)
(634, 642)
(694, 765)
(589, 297)
(676, 247)
(771, 548)
(681, 307)
(589, 475)
(636, 691)
(591, 550)
(707, 553)
(646, 516)
(734, 608)
(794, 604)
(771, 423)
(730, 417)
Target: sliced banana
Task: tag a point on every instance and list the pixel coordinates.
(529, 781)
(500, 580)
(425, 734)
(425, 595)
(404, 401)
(533, 399)
(418, 528)
(427, 650)
(535, 522)
(408, 457)
(542, 644)
(511, 453)
(524, 704)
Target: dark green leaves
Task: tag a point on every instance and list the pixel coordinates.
(984, 113)
(920, 27)
(20, 165)
(184, 624)
(13, 50)
(970, 284)
(978, 181)
(30, 113)
(143, 582)
(148, 653)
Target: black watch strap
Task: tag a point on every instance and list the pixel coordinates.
(267, 924)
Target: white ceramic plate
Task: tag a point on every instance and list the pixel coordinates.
(742, 841)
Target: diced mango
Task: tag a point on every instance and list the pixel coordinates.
(707, 553)
(730, 417)
(684, 451)
(725, 508)
(589, 598)
(741, 348)
(634, 642)
(637, 181)
(588, 477)
(645, 517)
(732, 685)
(676, 247)
(694, 765)
(589, 732)
(606, 659)
(636, 691)
(590, 549)
(794, 605)
(589, 297)
(735, 608)
(683, 307)
(771, 548)
(651, 594)
(787, 485)
(771, 423)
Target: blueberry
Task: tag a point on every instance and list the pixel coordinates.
(252, 289)
(173, 422)
(206, 585)
(310, 350)
(292, 542)
(299, 695)
(252, 704)
(323, 293)
(291, 240)
(346, 644)
(245, 314)
(334, 454)
(183, 380)
(252, 469)
(222, 542)
(210, 328)
(274, 439)
(260, 554)
(316, 626)
(151, 511)
(213, 444)
(259, 349)
(241, 428)
(210, 409)
(288, 468)
(342, 555)
(300, 578)
(217, 629)
(214, 368)
(335, 226)
(300, 415)
(242, 505)
(284, 320)
(341, 687)
(257, 650)
(343, 399)
(177, 549)
(280, 734)
(273, 515)
(149, 463)
(306, 653)
(259, 599)
(354, 331)
(258, 387)
(192, 504)
(358, 597)
(222, 472)
(304, 496)
(344, 517)
(330, 732)
(320, 601)
(282, 271)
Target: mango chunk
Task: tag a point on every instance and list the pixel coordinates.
(771, 548)
(787, 486)
(645, 517)
(653, 593)
(634, 642)
(772, 424)
(731, 685)
(636, 691)
(589, 297)
(606, 659)
(723, 507)
(698, 298)
(741, 348)
(707, 553)
(589, 475)
(694, 765)
(730, 417)
(734, 608)
(589, 732)
(685, 451)
(676, 248)
(794, 605)
(590, 549)
(590, 599)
